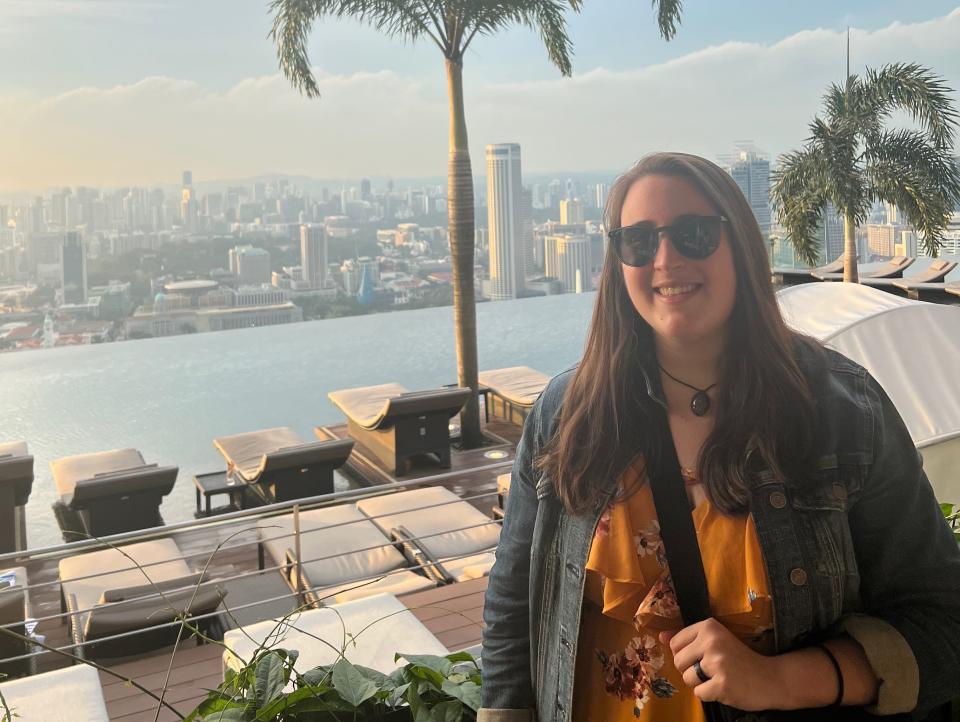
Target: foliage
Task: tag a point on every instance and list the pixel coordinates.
(427, 689)
(851, 160)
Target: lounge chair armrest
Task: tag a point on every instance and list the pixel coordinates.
(415, 552)
(76, 634)
(497, 513)
(289, 571)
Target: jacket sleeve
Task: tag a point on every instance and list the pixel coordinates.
(910, 573)
(507, 687)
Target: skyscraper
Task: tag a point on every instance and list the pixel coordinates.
(504, 216)
(568, 258)
(251, 265)
(751, 170)
(571, 212)
(73, 268)
(187, 178)
(313, 255)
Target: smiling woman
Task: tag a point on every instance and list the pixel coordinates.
(713, 513)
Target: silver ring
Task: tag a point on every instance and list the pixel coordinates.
(704, 677)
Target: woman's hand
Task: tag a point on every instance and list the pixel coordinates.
(739, 677)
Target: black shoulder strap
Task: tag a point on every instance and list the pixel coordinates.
(676, 528)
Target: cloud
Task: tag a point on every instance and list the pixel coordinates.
(384, 123)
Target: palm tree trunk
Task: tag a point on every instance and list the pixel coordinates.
(460, 228)
(850, 274)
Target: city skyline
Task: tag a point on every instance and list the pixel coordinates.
(382, 114)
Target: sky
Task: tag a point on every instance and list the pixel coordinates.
(120, 92)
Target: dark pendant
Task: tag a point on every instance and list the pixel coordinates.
(700, 403)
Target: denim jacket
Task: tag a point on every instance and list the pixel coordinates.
(863, 551)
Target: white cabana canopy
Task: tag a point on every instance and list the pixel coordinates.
(912, 348)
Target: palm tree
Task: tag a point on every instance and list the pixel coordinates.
(851, 160)
(451, 25)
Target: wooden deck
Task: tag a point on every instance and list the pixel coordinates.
(453, 613)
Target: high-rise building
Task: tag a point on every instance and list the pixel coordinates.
(600, 195)
(187, 178)
(73, 268)
(313, 255)
(365, 189)
(571, 212)
(751, 170)
(568, 258)
(250, 265)
(882, 238)
(526, 231)
(504, 216)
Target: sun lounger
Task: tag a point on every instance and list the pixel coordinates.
(14, 610)
(109, 492)
(893, 268)
(344, 555)
(16, 482)
(794, 276)
(107, 594)
(397, 425)
(952, 288)
(932, 274)
(277, 465)
(455, 538)
(70, 694)
(368, 631)
(513, 391)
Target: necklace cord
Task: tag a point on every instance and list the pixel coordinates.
(689, 386)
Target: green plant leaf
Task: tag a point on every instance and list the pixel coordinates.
(318, 675)
(467, 692)
(383, 682)
(458, 657)
(440, 665)
(271, 677)
(233, 714)
(289, 701)
(351, 685)
(449, 711)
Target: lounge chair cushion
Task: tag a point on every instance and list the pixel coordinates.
(520, 385)
(114, 570)
(13, 448)
(475, 566)
(396, 582)
(246, 451)
(366, 404)
(440, 528)
(338, 544)
(70, 470)
(63, 695)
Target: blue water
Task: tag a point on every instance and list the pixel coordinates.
(170, 397)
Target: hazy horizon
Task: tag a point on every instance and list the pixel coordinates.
(181, 87)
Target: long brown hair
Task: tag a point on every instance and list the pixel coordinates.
(764, 400)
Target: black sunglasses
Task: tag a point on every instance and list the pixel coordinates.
(695, 237)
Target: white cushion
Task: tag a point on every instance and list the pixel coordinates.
(246, 451)
(357, 547)
(397, 582)
(366, 404)
(63, 695)
(70, 470)
(380, 626)
(435, 523)
(475, 566)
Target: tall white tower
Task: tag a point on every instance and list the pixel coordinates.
(313, 255)
(505, 221)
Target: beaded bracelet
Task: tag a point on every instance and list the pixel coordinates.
(836, 666)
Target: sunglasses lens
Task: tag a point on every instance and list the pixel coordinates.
(636, 245)
(696, 236)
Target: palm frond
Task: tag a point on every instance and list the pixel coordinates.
(835, 149)
(548, 17)
(293, 19)
(669, 16)
(905, 168)
(798, 195)
(919, 92)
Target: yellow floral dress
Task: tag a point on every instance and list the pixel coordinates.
(623, 672)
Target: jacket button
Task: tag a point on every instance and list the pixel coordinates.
(778, 500)
(839, 492)
(798, 577)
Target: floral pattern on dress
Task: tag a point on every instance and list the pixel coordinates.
(661, 600)
(603, 526)
(635, 672)
(649, 542)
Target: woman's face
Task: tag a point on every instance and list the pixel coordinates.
(682, 299)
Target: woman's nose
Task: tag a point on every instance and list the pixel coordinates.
(667, 256)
